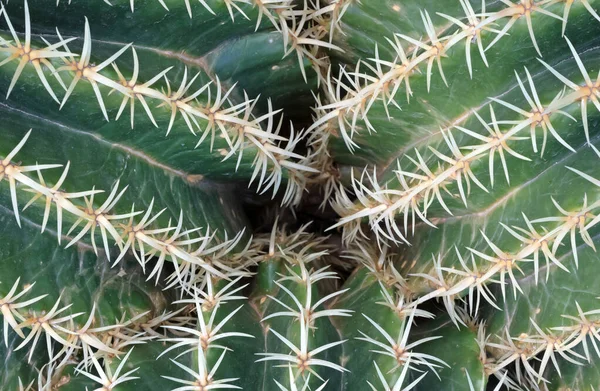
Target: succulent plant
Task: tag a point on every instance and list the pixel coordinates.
(307, 195)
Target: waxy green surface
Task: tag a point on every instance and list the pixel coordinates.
(419, 121)
(417, 126)
(323, 333)
(224, 52)
(457, 347)
(235, 51)
(75, 275)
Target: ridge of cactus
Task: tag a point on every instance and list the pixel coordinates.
(173, 241)
(273, 150)
(367, 89)
(380, 204)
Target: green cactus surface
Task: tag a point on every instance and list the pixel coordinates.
(300, 195)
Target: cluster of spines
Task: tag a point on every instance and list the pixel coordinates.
(235, 123)
(79, 342)
(145, 241)
(138, 236)
(199, 262)
(353, 93)
(300, 253)
(357, 90)
(376, 200)
(327, 177)
(309, 26)
(470, 282)
(203, 334)
(423, 185)
(402, 299)
(544, 346)
(539, 241)
(501, 262)
(303, 26)
(399, 348)
(192, 252)
(536, 244)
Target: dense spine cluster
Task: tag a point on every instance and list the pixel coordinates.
(235, 123)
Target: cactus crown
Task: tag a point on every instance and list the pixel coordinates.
(307, 195)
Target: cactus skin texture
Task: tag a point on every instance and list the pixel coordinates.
(296, 195)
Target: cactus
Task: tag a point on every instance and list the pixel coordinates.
(299, 195)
